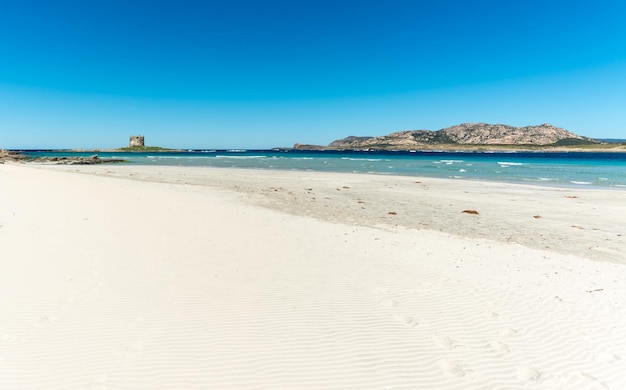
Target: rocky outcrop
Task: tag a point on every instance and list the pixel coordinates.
(464, 134)
(6, 155)
(76, 160)
(482, 133)
(399, 140)
(307, 147)
(17, 157)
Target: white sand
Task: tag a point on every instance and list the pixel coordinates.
(288, 280)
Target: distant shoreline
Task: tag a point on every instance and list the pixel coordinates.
(482, 147)
(605, 147)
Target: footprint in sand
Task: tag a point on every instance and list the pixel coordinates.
(405, 320)
(45, 320)
(451, 368)
(490, 314)
(444, 342)
(508, 332)
(590, 378)
(528, 374)
(497, 346)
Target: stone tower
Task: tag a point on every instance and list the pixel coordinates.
(136, 140)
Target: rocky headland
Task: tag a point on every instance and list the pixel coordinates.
(465, 135)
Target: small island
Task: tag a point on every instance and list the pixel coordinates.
(137, 144)
(144, 149)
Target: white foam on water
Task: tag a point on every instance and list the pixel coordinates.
(178, 157)
(363, 159)
(505, 164)
(240, 157)
(450, 162)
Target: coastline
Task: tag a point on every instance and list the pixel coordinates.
(592, 148)
(174, 277)
(571, 169)
(605, 147)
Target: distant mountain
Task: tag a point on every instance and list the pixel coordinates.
(463, 134)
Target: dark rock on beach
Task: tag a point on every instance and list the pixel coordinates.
(17, 157)
(76, 160)
(6, 155)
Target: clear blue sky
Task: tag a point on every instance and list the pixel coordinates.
(260, 74)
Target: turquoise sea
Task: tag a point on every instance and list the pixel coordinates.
(577, 169)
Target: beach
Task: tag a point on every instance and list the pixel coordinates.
(132, 277)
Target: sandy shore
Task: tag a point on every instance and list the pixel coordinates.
(174, 278)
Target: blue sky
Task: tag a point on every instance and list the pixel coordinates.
(261, 74)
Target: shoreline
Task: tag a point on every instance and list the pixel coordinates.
(476, 168)
(176, 277)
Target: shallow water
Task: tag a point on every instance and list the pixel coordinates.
(579, 169)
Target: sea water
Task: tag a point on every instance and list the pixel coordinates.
(579, 169)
